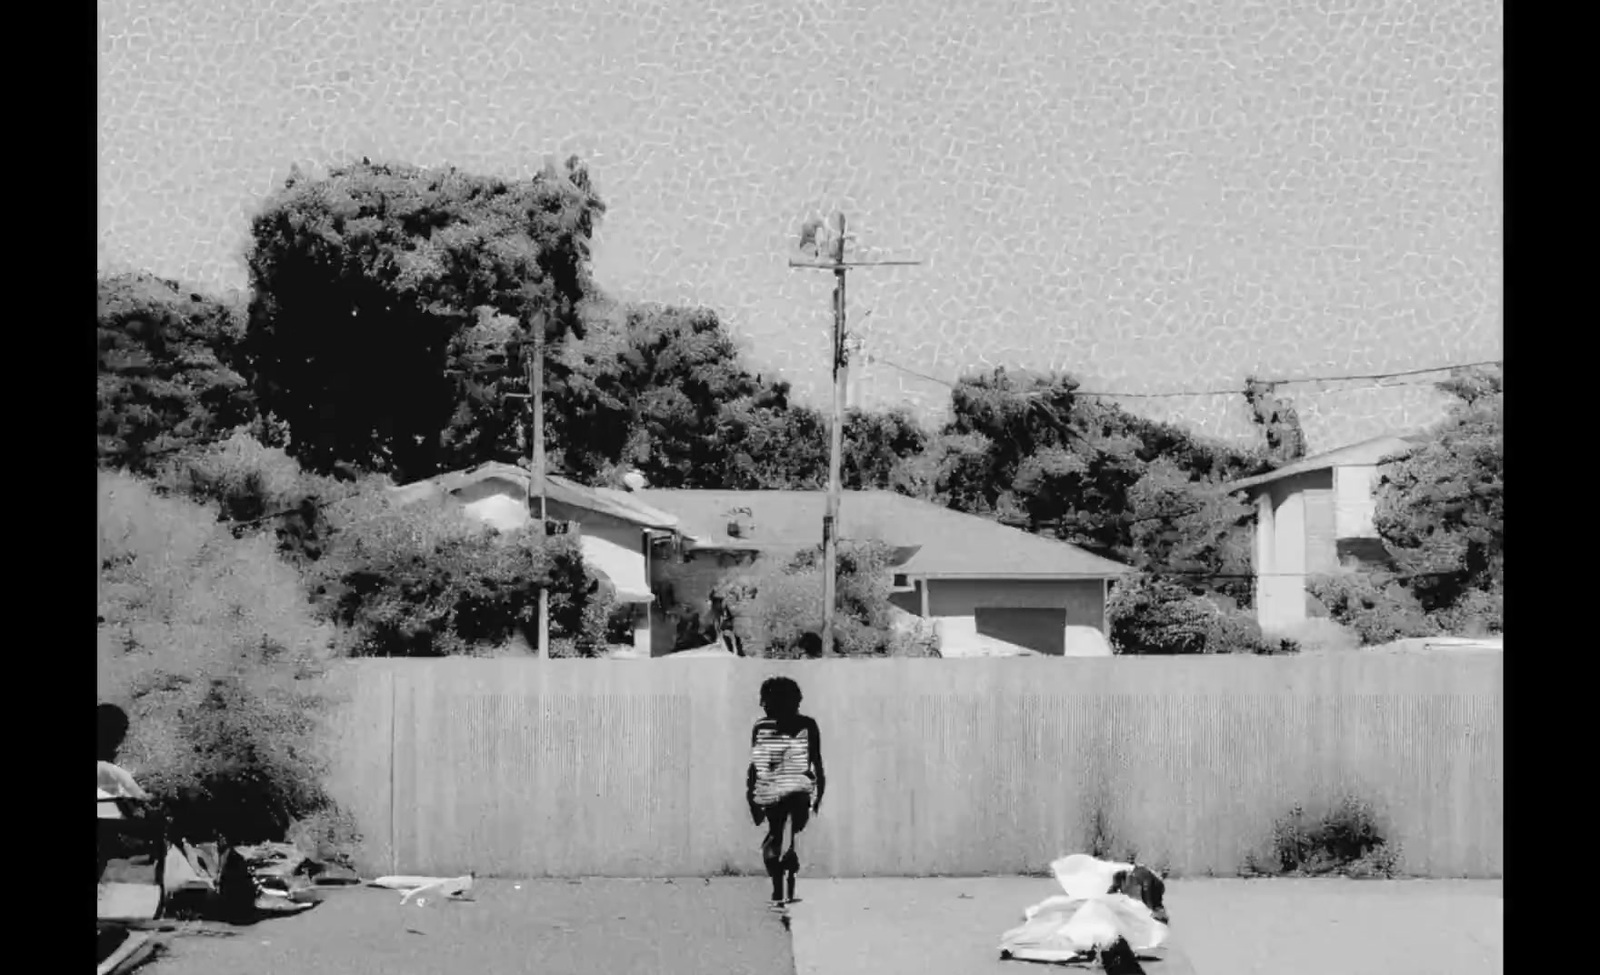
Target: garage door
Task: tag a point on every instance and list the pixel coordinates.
(1042, 630)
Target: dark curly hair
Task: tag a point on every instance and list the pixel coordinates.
(111, 727)
(781, 694)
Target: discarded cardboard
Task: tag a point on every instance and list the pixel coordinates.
(134, 950)
(127, 902)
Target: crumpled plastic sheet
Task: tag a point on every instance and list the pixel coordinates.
(1084, 921)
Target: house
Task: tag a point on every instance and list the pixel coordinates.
(1311, 517)
(989, 589)
(619, 535)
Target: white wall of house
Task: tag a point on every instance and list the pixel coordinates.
(983, 617)
(1355, 501)
(499, 503)
(1299, 521)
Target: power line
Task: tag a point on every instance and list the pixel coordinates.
(1381, 575)
(1229, 392)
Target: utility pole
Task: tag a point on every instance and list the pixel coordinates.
(830, 520)
(535, 366)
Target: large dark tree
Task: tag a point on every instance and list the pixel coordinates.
(392, 305)
(169, 370)
(1028, 450)
(649, 387)
(1441, 511)
(665, 390)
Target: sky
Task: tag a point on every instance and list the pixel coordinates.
(1154, 195)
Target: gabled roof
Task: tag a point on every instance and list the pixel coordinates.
(1374, 451)
(622, 505)
(948, 544)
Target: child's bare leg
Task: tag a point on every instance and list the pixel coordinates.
(791, 859)
(771, 851)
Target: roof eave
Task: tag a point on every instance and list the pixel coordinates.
(1310, 465)
(1007, 574)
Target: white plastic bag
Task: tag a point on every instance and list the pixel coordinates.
(1086, 919)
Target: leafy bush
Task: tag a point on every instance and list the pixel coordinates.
(169, 370)
(1153, 615)
(257, 487)
(426, 580)
(781, 601)
(1319, 635)
(208, 642)
(1345, 840)
(1379, 610)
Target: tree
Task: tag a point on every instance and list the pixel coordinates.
(392, 304)
(877, 445)
(1441, 510)
(658, 388)
(665, 390)
(169, 370)
(1278, 419)
(1026, 449)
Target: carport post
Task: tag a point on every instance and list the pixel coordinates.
(1105, 603)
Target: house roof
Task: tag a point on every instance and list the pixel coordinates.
(1373, 451)
(623, 505)
(946, 543)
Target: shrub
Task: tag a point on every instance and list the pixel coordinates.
(208, 642)
(1346, 840)
(427, 580)
(1319, 636)
(1154, 615)
(256, 486)
(1475, 613)
(1377, 609)
(781, 601)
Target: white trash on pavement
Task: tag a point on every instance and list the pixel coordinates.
(419, 888)
(1087, 920)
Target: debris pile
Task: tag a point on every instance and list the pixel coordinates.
(1108, 914)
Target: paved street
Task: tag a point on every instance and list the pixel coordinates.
(854, 927)
(603, 927)
(1220, 927)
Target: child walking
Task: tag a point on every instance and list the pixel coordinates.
(785, 782)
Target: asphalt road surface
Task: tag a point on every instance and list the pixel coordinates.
(1219, 927)
(614, 927)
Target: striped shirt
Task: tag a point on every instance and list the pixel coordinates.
(784, 764)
